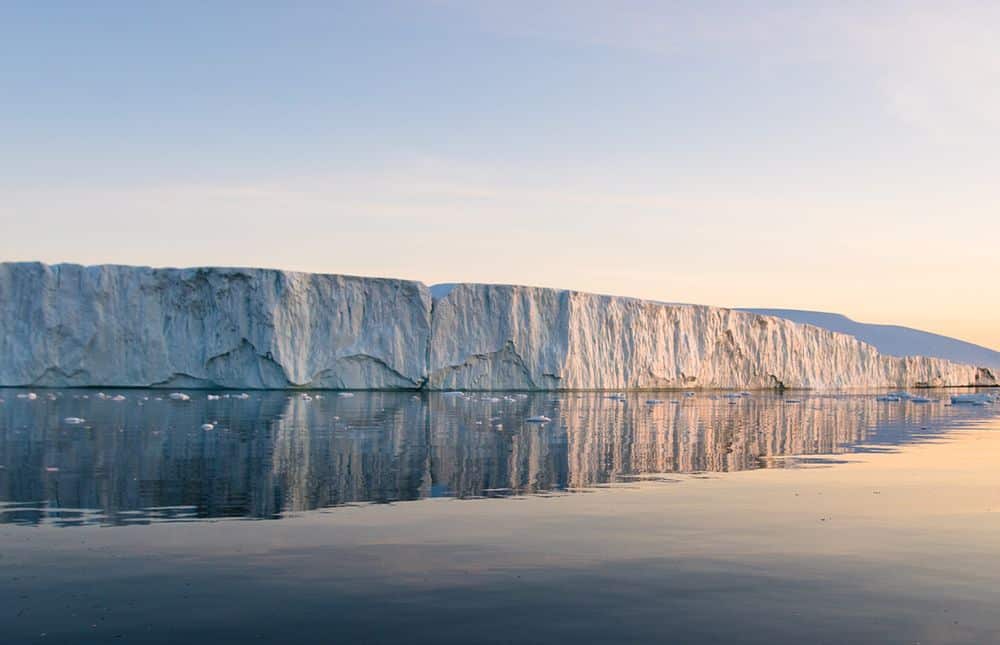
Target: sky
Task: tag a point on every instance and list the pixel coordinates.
(832, 156)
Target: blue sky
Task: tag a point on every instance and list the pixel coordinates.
(782, 155)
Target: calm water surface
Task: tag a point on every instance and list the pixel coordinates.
(393, 517)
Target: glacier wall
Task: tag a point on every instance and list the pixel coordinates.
(491, 336)
(68, 325)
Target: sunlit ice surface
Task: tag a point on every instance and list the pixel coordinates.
(402, 517)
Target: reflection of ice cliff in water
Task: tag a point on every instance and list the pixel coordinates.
(144, 459)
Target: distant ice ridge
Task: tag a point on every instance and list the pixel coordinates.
(893, 339)
(69, 325)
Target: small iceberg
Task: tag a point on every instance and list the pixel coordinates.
(208, 426)
(920, 399)
(213, 397)
(242, 396)
(179, 396)
(74, 421)
(971, 399)
(345, 395)
(541, 418)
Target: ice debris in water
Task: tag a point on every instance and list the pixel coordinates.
(74, 421)
(31, 396)
(179, 396)
(213, 397)
(346, 395)
(541, 418)
(118, 398)
(208, 426)
(972, 399)
(242, 396)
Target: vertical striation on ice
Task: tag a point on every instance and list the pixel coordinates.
(500, 337)
(70, 325)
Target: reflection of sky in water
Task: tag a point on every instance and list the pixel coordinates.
(145, 460)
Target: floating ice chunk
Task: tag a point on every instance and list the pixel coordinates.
(118, 398)
(179, 396)
(30, 396)
(242, 396)
(345, 395)
(208, 426)
(452, 394)
(653, 402)
(74, 421)
(541, 418)
(305, 397)
(213, 397)
(888, 398)
(51, 469)
(971, 399)
(920, 399)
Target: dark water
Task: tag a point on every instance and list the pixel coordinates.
(615, 521)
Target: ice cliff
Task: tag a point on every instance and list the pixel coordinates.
(524, 337)
(67, 325)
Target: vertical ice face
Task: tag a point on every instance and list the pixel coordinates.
(499, 337)
(111, 325)
(68, 325)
